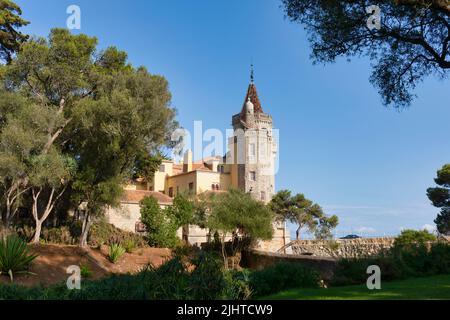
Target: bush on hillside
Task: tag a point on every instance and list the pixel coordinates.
(104, 233)
(172, 280)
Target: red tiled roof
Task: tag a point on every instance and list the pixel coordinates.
(253, 94)
(135, 196)
(196, 166)
(199, 166)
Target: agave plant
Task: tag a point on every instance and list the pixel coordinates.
(15, 256)
(115, 252)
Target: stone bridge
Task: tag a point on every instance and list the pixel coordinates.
(341, 248)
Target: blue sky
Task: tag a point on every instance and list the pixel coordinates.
(339, 146)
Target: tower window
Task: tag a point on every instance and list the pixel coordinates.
(263, 195)
(253, 175)
(251, 150)
(162, 168)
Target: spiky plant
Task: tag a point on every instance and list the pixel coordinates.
(115, 252)
(15, 256)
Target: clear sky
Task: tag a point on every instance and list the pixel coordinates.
(339, 146)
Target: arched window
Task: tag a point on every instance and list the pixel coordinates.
(217, 187)
(213, 187)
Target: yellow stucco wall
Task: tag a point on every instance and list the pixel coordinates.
(181, 181)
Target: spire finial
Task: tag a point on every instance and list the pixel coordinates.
(252, 74)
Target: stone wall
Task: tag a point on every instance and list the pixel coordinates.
(258, 260)
(342, 248)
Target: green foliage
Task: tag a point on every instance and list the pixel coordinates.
(207, 280)
(160, 225)
(85, 271)
(237, 285)
(304, 213)
(169, 281)
(440, 196)
(10, 38)
(413, 239)
(104, 233)
(60, 86)
(181, 210)
(236, 214)
(236, 210)
(326, 227)
(411, 43)
(15, 256)
(60, 235)
(146, 164)
(200, 213)
(129, 245)
(116, 251)
(282, 276)
(399, 263)
(354, 270)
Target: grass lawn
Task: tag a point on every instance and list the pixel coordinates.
(437, 287)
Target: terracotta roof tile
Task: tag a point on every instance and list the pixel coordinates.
(253, 94)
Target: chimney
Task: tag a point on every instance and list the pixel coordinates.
(187, 161)
(215, 164)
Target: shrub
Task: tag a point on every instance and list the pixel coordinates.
(413, 238)
(25, 232)
(440, 255)
(115, 252)
(354, 270)
(104, 233)
(160, 224)
(129, 245)
(172, 280)
(67, 234)
(282, 276)
(15, 256)
(168, 282)
(61, 235)
(85, 271)
(185, 250)
(207, 279)
(237, 285)
(399, 263)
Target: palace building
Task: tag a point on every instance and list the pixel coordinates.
(248, 165)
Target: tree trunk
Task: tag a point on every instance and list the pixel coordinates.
(37, 232)
(87, 222)
(48, 209)
(297, 233)
(224, 252)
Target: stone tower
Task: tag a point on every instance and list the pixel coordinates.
(253, 148)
